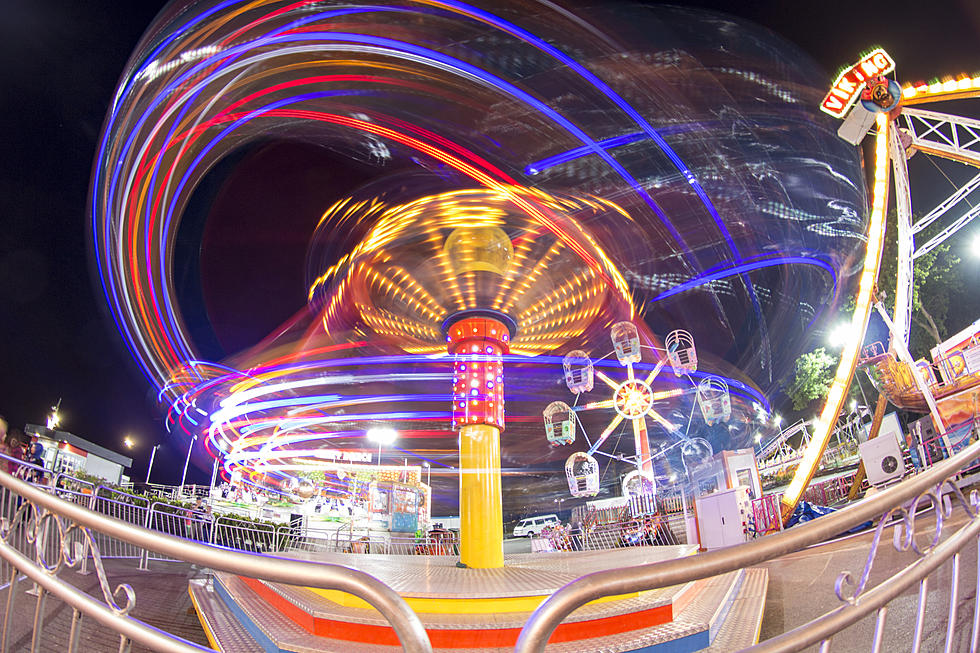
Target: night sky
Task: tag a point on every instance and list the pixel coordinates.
(59, 63)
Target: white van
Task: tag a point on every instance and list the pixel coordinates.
(532, 526)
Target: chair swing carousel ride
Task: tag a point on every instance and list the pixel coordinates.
(634, 400)
(507, 203)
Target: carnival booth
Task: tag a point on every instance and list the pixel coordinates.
(726, 470)
(395, 506)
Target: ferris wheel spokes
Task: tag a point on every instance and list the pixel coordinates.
(616, 421)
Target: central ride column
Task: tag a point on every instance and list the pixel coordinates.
(478, 340)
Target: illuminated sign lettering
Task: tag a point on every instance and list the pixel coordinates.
(344, 456)
(850, 83)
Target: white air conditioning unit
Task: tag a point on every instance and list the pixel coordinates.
(882, 458)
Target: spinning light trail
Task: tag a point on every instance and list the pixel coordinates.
(557, 193)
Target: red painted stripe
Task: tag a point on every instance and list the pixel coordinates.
(458, 637)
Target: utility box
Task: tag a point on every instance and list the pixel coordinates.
(723, 517)
(882, 458)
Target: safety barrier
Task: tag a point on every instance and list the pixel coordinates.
(43, 534)
(895, 508)
(829, 492)
(63, 522)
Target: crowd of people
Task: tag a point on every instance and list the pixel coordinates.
(18, 447)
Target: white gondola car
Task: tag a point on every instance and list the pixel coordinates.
(626, 341)
(714, 400)
(582, 472)
(638, 483)
(579, 374)
(559, 423)
(681, 353)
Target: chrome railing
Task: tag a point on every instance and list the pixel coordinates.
(38, 537)
(894, 508)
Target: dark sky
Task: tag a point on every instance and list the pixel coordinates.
(59, 63)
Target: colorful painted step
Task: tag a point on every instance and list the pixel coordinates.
(281, 618)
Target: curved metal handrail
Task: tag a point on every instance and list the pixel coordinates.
(132, 628)
(577, 593)
(408, 627)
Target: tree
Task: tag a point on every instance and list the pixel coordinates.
(935, 281)
(814, 374)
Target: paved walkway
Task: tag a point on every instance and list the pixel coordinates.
(162, 601)
(801, 588)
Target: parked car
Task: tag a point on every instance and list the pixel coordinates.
(532, 526)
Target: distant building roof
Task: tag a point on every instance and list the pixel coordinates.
(81, 443)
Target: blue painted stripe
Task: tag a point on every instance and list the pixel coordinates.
(257, 634)
(713, 628)
(686, 644)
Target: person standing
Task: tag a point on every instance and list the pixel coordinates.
(15, 451)
(4, 449)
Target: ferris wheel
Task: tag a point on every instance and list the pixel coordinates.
(633, 399)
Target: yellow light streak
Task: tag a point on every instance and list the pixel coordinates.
(653, 374)
(605, 403)
(662, 421)
(605, 379)
(616, 421)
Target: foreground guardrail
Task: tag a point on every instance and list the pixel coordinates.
(901, 501)
(49, 527)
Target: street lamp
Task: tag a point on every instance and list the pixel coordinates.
(428, 471)
(129, 442)
(54, 418)
(183, 476)
(153, 453)
(841, 334)
(382, 435)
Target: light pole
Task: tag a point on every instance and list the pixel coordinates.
(428, 472)
(54, 418)
(183, 476)
(149, 468)
(382, 435)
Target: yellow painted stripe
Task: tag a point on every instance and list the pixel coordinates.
(204, 622)
(762, 612)
(462, 605)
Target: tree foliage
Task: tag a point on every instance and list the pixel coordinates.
(814, 374)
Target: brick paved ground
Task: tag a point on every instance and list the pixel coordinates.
(161, 601)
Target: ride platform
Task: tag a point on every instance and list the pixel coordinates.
(484, 609)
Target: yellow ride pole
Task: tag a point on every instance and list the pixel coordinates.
(481, 536)
(478, 340)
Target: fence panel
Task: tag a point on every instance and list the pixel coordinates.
(245, 535)
(122, 510)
